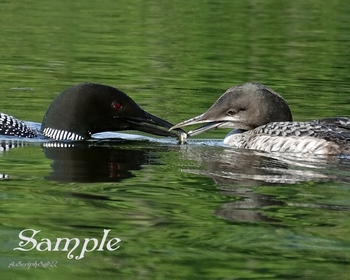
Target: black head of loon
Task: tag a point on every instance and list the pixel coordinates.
(263, 121)
(85, 109)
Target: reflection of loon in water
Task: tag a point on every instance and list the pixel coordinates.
(85, 109)
(6, 145)
(253, 168)
(237, 173)
(263, 121)
(94, 162)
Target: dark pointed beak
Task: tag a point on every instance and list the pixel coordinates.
(151, 124)
(210, 124)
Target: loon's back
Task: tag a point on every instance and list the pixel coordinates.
(13, 127)
(324, 136)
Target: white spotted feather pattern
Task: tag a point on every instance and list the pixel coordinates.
(318, 137)
(13, 127)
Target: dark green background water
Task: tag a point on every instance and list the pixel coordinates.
(199, 211)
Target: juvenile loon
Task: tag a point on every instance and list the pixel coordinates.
(263, 121)
(85, 109)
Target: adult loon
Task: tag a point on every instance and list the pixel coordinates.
(85, 109)
(263, 121)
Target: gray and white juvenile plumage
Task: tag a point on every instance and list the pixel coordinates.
(263, 121)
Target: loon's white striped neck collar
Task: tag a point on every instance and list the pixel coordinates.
(58, 134)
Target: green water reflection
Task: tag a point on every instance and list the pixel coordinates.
(182, 213)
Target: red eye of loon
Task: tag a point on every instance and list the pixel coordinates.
(116, 105)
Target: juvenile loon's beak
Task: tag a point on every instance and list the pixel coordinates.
(151, 124)
(210, 124)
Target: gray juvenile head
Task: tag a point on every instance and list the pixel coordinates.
(244, 107)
